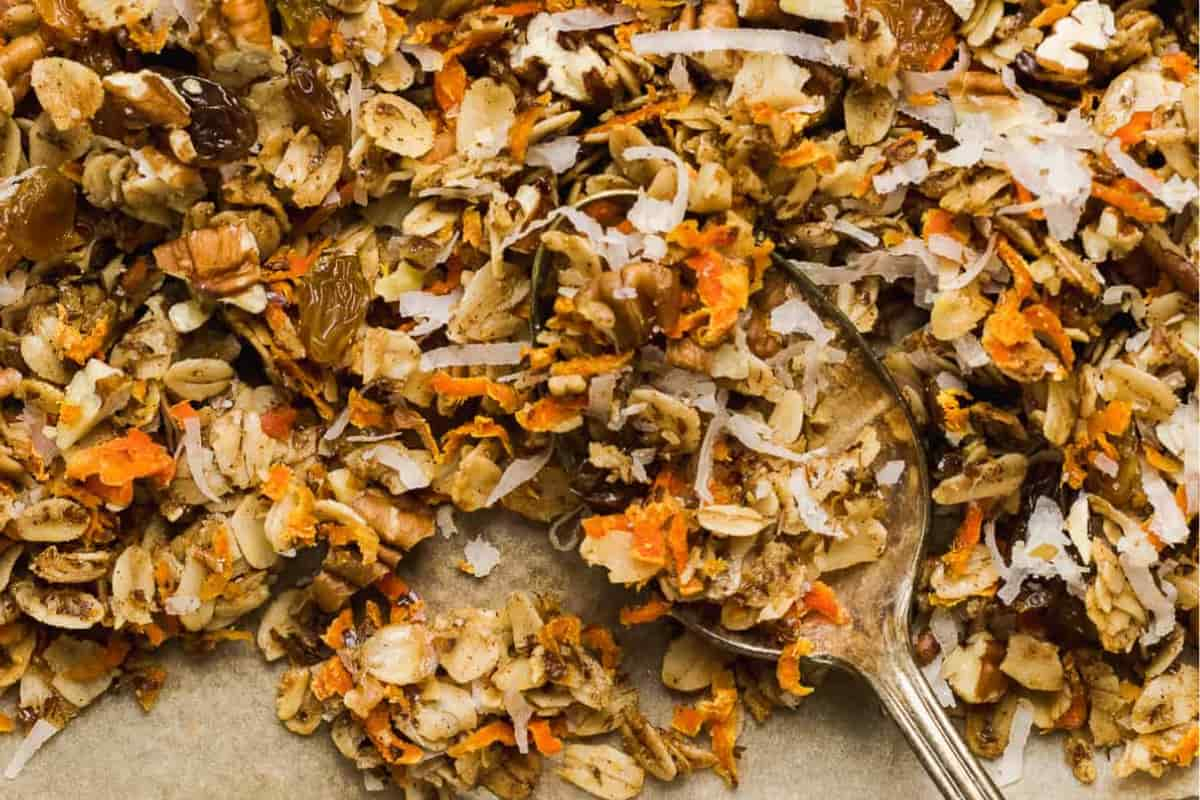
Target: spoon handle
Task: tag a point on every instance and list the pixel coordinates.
(942, 751)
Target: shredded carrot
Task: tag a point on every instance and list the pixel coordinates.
(587, 366)
(479, 428)
(495, 732)
(182, 411)
(118, 462)
(1026, 196)
(450, 85)
(278, 478)
(923, 99)
(447, 385)
(724, 288)
(6, 723)
(335, 634)
(331, 678)
(597, 527)
(1052, 14)
(1133, 131)
(601, 640)
(938, 221)
(687, 234)
(564, 629)
(365, 413)
(1160, 460)
(392, 748)
(646, 112)
(1179, 64)
(1077, 713)
(278, 421)
(652, 609)
(154, 634)
(821, 599)
(677, 543)
(809, 154)
(965, 540)
(940, 57)
(1185, 752)
(552, 414)
(687, 720)
(787, 669)
(1132, 204)
(544, 739)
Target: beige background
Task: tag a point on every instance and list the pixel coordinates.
(213, 735)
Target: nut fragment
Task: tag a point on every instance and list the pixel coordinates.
(69, 91)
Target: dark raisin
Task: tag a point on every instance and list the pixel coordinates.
(222, 129)
(314, 104)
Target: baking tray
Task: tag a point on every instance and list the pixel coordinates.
(214, 734)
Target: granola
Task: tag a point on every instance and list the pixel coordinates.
(313, 276)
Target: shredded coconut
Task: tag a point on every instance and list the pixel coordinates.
(197, 455)
(704, 459)
(433, 310)
(658, 216)
(445, 521)
(797, 316)
(557, 155)
(482, 556)
(519, 472)
(751, 40)
(411, 473)
(756, 436)
(1010, 767)
(467, 355)
(889, 474)
(1168, 521)
(39, 734)
(1175, 193)
(590, 19)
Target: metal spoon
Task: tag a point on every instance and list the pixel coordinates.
(875, 643)
(878, 596)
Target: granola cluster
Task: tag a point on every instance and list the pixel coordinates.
(312, 276)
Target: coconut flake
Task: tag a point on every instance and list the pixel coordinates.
(338, 426)
(610, 244)
(797, 316)
(468, 355)
(590, 19)
(658, 216)
(196, 455)
(35, 423)
(520, 712)
(946, 246)
(855, 232)
(557, 155)
(969, 352)
(180, 604)
(1162, 607)
(678, 75)
(945, 629)
(1181, 435)
(973, 132)
(411, 473)
(972, 270)
(600, 395)
(751, 40)
(1043, 553)
(1175, 194)
(1106, 464)
(39, 734)
(923, 82)
(812, 514)
(889, 474)
(939, 116)
(519, 472)
(373, 783)
(433, 310)
(756, 436)
(12, 287)
(429, 59)
(1008, 769)
(912, 171)
(1168, 521)
(704, 458)
(482, 556)
(445, 521)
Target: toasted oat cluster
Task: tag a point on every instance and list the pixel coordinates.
(315, 275)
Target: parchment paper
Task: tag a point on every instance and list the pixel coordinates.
(213, 734)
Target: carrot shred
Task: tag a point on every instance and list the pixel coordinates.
(564, 629)
(1133, 205)
(965, 539)
(479, 428)
(809, 154)
(6, 723)
(1052, 14)
(1133, 131)
(940, 57)
(821, 599)
(550, 413)
(334, 635)
(447, 385)
(331, 678)
(1179, 64)
(544, 739)
(652, 609)
(1185, 752)
(118, 462)
(278, 478)
(495, 732)
(787, 669)
(588, 366)
(601, 640)
(646, 112)
(450, 85)
(687, 720)
(392, 748)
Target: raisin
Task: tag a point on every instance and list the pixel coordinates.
(333, 301)
(40, 214)
(222, 129)
(920, 28)
(314, 104)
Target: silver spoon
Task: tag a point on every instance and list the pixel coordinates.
(878, 596)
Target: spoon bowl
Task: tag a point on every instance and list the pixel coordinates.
(874, 642)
